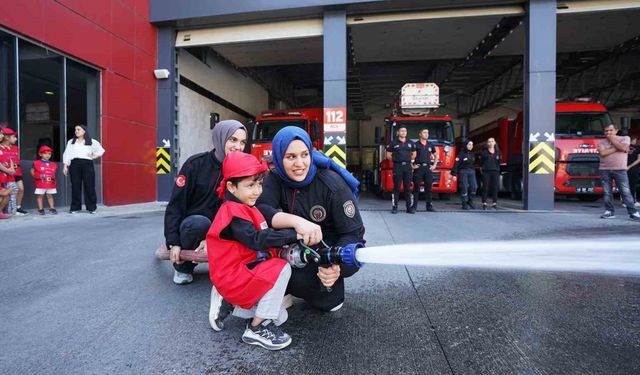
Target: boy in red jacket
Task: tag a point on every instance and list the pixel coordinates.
(44, 174)
(243, 265)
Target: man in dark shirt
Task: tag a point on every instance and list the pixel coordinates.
(422, 169)
(401, 151)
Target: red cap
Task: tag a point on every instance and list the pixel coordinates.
(239, 164)
(8, 131)
(44, 148)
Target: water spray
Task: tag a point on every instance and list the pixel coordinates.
(599, 255)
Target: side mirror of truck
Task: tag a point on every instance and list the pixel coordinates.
(378, 135)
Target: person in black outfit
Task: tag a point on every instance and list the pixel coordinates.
(402, 152)
(490, 162)
(194, 201)
(422, 169)
(633, 167)
(464, 167)
(319, 203)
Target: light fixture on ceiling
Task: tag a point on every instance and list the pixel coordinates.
(49, 93)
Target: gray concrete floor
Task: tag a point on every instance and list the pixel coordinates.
(83, 294)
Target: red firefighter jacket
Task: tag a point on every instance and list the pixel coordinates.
(45, 174)
(228, 259)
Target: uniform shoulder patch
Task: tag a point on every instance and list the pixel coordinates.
(318, 213)
(181, 181)
(349, 209)
(263, 225)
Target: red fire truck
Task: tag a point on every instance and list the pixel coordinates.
(415, 108)
(270, 122)
(578, 130)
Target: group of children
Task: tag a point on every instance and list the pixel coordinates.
(11, 178)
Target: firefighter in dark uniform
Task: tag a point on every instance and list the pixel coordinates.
(423, 167)
(312, 194)
(194, 201)
(402, 152)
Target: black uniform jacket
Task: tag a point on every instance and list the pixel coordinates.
(489, 161)
(466, 160)
(326, 201)
(194, 193)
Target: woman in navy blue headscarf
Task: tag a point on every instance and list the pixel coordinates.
(312, 194)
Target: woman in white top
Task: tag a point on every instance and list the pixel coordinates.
(78, 162)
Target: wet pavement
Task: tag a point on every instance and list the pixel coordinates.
(82, 294)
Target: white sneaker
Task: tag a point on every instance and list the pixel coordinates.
(182, 278)
(636, 205)
(214, 309)
(337, 307)
(267, 335)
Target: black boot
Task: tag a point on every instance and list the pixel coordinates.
(484, 206)
(464, 206)
(471, 205)
(430, 207)
(394, 209)
(494, 206)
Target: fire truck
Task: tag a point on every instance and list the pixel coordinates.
(415, 109)
(268, 123)
(578, 130)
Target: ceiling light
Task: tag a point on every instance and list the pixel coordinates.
(49, 93)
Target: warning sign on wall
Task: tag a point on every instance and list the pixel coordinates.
(335, 120)
(335, 135)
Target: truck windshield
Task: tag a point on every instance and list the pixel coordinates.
(439, 131)
(581, 124)
(266, 130)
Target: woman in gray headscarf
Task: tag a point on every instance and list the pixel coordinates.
(194, 201)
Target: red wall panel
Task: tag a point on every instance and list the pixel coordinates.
(116, 36)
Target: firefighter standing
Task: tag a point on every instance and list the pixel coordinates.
(402, 152)
(423, 168)
(465, 167)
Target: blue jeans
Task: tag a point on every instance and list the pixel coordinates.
(467, 184)
(622, 182)
(193, 230)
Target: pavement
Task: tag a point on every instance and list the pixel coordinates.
(83, 294)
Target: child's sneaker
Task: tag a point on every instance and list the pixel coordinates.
(267, 335)
(41, 212)
(20, 211)
(4, 216)
(53, 211)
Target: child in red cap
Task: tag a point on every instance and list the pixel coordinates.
(243, 265)
(44, 174)
(12, 153)
(5, 192)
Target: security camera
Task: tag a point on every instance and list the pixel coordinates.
(161, 73)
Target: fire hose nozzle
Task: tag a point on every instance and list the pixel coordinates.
(342, 255)
(298, 255)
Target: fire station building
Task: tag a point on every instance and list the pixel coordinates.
(150, 77)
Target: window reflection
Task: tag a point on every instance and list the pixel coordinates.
(40, 100)
(7, 79)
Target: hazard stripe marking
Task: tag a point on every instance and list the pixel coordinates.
(542, 157)
(163, 160)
